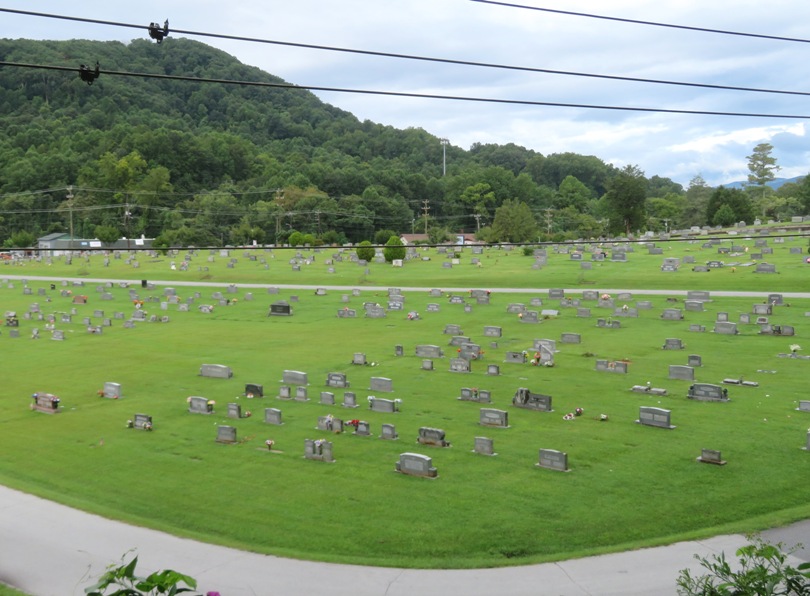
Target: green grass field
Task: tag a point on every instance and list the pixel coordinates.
(629, 486)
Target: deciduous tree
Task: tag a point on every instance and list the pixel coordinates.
(514, 222)
(625, 199)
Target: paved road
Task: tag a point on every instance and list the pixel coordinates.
(48, 549)
(341, 288)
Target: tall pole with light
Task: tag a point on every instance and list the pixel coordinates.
(444, 143)
(69, 198)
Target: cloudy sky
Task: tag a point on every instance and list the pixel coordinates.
(679, 146)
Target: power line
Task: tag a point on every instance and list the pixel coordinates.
(434, 59)
(647, 23)
(525, 102)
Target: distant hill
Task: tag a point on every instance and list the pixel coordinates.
(774, 184)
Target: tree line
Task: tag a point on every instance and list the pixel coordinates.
(207, 164)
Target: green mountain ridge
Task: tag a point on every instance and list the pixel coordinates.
(209, 162)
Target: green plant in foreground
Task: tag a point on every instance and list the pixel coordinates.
(123, 580)
(762, 570)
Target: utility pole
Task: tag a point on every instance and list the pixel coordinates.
(477, 217)
(127, 217)
(425, 211)
(279, 196)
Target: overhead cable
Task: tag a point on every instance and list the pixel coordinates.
(647, 23)
(494, 100)
(421, 58)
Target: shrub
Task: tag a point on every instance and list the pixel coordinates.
(127, 583)
(296, 239)
(382, 236)
(763, 569)
(365, 251)
(394, 249)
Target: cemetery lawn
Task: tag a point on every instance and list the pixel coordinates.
(629, 486)
(499, 269)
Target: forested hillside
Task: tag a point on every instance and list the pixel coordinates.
(209, 163)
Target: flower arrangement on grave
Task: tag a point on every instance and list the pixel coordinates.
(210, 404)
(603, 418)
(605, 297)
(147, 426)
(795, 348)
(248, 413)
(579, 412)
(55, 402)
(249, 395)
(130, 424)
(569, 416)
(269, 443)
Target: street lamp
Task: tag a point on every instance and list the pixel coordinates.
(69, 198)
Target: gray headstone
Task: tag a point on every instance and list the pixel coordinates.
(382, 384)
(552, 459)
(226, 434)
(524, 398)
(432, 436)
(725, 328)
(217, 371)
(611, 366)
(493, 417)
(294, 377)
(707, 392)
(658, 417)
(336, 379)
(112, 390)
(388, 432)
(387, 406)
(234, 411)
(415, 464)
(684, 373)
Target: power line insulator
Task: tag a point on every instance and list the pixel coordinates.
(156, 33)
(88, 75)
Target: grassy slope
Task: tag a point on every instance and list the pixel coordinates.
(629, 486)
